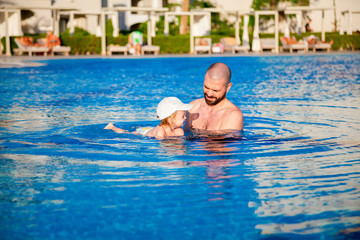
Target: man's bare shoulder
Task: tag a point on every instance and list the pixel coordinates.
(235, 112)
(197, 103)
(233, 118)
(230, 107)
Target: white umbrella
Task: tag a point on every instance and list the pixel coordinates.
(256, 39)
(115, 23)
(98, 27)
(298, 22)
(245, 37)
(287, 30)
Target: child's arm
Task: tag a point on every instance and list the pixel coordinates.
(111, 126)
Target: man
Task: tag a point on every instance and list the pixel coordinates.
(215, 111)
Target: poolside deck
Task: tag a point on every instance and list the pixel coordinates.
(26, 61)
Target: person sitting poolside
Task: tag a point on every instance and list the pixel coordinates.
(135, 40)
(289, 40)
(313, 40)
(171, 112)
(28, 42)
(52, 40)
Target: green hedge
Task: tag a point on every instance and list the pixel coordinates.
(92, 44)
(82, 43)
(341, 42)
(172, 44)
(121, 40)
(12, 44)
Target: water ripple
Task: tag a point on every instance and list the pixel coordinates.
(292, 172)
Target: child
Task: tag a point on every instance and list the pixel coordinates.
(171, 112)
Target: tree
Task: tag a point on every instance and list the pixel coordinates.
(184, 19)
(272, 4)
(335, 21)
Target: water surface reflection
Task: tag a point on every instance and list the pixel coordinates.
(292, 173)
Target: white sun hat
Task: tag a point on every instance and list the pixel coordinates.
(169, 105)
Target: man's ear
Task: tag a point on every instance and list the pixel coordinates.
(228, 87)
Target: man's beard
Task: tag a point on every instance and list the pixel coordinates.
(215, 101)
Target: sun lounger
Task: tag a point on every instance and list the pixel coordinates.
(267, 44)
(117, 48)
(202, 45)
(217, 48)
(321, 46)
(61, 49)
(56, 49)
(150, 49)
(316, 44)
(29, 49)
(292, 44)
(230, 44)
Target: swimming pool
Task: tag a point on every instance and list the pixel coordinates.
(293, 173)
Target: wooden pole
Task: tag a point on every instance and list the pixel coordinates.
(184, 18)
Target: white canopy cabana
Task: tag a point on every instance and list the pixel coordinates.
(302, 9)
(299, 11)
(72, 12)
(113, 14)
(256, 39)
(9, 27)
(16, 9)
(238, 14)
(191, 14)
(298, 14)
(350, 12)
(100, 28)
(150, 11)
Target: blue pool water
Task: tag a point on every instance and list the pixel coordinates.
(293, 173)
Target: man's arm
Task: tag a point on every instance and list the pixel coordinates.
(233, 121)
(188, 124)
(189, 116)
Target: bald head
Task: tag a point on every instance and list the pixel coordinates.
(218, 71)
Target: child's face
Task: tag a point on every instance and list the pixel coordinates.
(179, 119)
